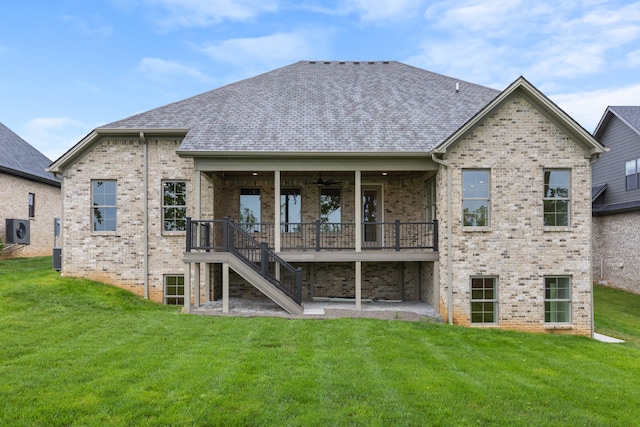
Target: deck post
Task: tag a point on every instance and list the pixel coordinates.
(435, 235)
(397, 235)
(225, 234)
(264, 258)
(188, 234)
(187, 287)
(276, 203)
(225, 287)
(358, 285)
(358, 216)
(196, 284)
(207, 282)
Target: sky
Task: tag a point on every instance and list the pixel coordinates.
(69, 66)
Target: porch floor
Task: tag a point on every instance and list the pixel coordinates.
(246, 307)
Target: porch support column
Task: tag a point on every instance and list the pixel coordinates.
(207, 282)
(196, 284)
(436, 288)
(225, 287)
(358, 216)
(276, 203)
(358, 285)
(187, 287)
(197, 181)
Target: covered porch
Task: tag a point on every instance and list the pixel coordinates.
(325, 216)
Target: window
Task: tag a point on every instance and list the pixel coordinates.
(174, 205)
(484, 299)
(330, 209)
(250, 209)
(104, 205)
(290, 210)
(556, 198)
(431, 199)
(32, 205)
(174, 289)
(632, 172)
(475, 198)
(557, 299)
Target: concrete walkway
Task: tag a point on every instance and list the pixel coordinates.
(604, 338)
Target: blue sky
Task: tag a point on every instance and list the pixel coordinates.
(68, 66)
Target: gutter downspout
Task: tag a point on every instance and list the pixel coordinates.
(145, 209)
(449, 240)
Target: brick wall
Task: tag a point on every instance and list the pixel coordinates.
(118, 257)
(517, 143)
(615, 258)
(16, 205)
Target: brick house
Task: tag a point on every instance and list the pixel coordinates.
(32, 198)
(616, 199)
(333, 180)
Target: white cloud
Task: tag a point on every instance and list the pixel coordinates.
(633, 58)
(157, 68)
(203, 13)
(267, 51)
(547, 40)
(85, 28)
(53, 136)
(588, 107)
(381, 10)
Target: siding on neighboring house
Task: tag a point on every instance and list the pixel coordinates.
(616, 212)
(624, 144)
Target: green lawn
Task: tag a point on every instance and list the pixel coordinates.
(76, 352)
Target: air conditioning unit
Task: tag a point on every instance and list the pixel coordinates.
(17, 231)
(57, 259)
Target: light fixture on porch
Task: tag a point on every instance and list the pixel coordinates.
(384, 174)
(255, 174)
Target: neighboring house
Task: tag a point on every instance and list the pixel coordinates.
(365, 180)
(31, 198)
(616, 200)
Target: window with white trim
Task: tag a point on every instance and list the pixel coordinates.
(32, 205)
(174, 289)
(475, 198)
(250, 209)
(632, 174)
(290, 210)
(557, 299)
(557, 197)
(484, 300)
(174, 205)
(331, 209)
(103, 198)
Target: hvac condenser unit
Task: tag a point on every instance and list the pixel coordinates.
(17, 231)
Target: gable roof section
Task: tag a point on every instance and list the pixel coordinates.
(629, 115)
(315, 106)
(543, 104)
(19, 158)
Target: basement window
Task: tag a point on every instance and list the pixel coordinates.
(484, 300)
(174, 289)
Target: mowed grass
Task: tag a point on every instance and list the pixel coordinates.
(76, 352)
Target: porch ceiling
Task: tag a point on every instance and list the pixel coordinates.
(325, 164)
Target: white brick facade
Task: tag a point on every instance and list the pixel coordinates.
(516, 143)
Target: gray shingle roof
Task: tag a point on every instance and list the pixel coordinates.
(630, 114)
(315, 106)
(19, 157)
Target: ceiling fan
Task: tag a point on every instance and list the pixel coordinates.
(322, 183)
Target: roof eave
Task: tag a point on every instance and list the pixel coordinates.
(77, 150)
(280, 154)
(582, 136)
